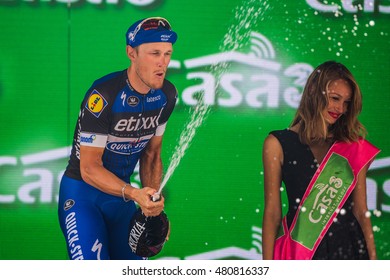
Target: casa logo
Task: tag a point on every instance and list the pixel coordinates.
(235, 79)
(36, 179)
(133, 101)
(96, 103)
(118, 3)
(68, 204)
(327, 198)
(349, 6)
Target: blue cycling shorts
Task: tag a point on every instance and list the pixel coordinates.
(95, 224)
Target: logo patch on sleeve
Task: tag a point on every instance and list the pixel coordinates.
(96, 103)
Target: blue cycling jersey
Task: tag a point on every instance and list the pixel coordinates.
(115, 117)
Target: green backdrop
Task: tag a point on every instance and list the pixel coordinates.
(249, 58)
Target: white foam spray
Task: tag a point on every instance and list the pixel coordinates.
(238, 34)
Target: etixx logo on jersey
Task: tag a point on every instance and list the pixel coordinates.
(96, 103)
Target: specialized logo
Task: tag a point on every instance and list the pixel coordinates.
(96, 103)
(133, 101)
(68, 204)
(97, 248)
(123, 97)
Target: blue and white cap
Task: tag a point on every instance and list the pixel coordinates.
(150, 30)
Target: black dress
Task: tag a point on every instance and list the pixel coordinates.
(344, 239)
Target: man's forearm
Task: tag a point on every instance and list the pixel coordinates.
(151, 172)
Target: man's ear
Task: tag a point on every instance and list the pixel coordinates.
(130, 51)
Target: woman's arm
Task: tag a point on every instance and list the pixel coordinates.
(272, 216)
(361, 213)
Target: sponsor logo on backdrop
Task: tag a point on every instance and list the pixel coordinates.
(233, 252)
(337, 6)
(255, 79)
(38, 177)
(349, 6)
(266, 91)
(139, 3)
(41, 183)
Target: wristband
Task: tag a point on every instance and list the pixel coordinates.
(123, 193)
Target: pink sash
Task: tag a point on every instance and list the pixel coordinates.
(327, 192)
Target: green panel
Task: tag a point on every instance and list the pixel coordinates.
(51, 52)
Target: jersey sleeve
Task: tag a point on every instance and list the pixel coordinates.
(94, 118)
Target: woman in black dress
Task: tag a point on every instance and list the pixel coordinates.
(328, 112)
